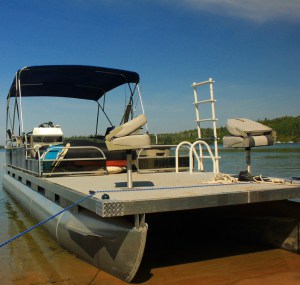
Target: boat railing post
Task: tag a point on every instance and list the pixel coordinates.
(18, 83)
(188, 144)
(248, 159)
(142, 105)
(211, 156)
(129, 169)
(39, 163)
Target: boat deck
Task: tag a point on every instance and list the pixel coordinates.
(168, 191)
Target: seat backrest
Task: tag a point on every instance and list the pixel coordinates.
(245, 127)
(129, 127)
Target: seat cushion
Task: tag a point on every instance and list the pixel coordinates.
(250, 141)
(129, 142)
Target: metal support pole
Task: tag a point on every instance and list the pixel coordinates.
(129, 169)
(200, 166)
(213, 111)
(248, 159)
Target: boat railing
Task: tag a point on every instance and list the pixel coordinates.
(189, 146)
(64, 165)
(159, 158)
(193, 153)
(14, 141)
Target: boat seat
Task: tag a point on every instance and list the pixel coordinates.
(245, 133)
(248, 142)
(126, 136)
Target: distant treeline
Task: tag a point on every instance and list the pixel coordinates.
(287, 129)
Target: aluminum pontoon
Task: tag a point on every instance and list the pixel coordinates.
(125, 176)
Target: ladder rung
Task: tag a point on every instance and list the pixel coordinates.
(205, 101)
(212, 138)
(207, 120)
(202, 83)
(204, 156)
(208, 156)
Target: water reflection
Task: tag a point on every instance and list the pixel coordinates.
(36, 258)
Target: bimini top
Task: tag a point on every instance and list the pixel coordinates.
(73, 81)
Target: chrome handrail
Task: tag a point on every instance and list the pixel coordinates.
(72, 147)
(211, 156)
(59, 159)
(188, 145)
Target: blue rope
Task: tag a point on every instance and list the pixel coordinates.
(92, 193)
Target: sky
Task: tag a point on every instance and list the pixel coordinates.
(251, 49)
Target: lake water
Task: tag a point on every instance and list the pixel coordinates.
(37, 259)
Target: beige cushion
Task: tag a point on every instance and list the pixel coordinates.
(245, 127)
(124, 137)
(130, 127)
(132, 142)
(250, 141)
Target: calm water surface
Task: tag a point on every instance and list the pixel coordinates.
(37, 259)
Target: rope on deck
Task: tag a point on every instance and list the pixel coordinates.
(92, 193)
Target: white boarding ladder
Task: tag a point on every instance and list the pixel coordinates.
(213, 119)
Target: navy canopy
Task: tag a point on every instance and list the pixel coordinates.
(73, 81)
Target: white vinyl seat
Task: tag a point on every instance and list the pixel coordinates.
(245, 133)
(249, 141)
(126, 136)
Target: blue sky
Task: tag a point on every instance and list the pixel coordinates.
(250, 48)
